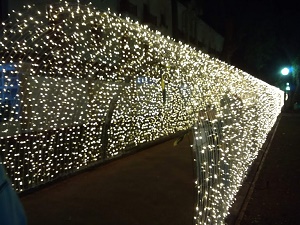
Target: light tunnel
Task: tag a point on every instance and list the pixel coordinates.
(80, 86)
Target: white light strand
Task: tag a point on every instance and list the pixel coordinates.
(80, 86)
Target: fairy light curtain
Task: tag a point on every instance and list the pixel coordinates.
(80, 86)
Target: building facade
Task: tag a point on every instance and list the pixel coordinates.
(177, 19)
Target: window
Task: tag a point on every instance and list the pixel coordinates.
(9, 93)
(144, 80)
(148, 18)
(127, 7)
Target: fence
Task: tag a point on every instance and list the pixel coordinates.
(80, 86)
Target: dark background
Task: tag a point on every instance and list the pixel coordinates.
(261, 36)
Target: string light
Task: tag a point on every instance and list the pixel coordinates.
(81, 86)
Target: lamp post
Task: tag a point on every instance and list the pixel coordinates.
(291, 90)
(285, 72)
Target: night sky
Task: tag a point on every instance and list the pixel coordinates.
(266, 33)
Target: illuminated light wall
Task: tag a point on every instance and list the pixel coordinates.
(80, 87)
(230, 130)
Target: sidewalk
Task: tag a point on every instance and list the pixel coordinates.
(152, 187)
(275, 199)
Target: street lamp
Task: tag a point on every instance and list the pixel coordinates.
(287, 87)
(285, 71)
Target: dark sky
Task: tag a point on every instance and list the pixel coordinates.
(266, 33)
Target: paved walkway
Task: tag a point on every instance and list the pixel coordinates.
(155, 187)
(152, 187)
(275, 199)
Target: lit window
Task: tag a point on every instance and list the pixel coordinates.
(9, 93)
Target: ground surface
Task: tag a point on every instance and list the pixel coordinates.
(275, 199)
(152, 187)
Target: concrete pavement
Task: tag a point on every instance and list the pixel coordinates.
(152, 187)
(275, 197)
